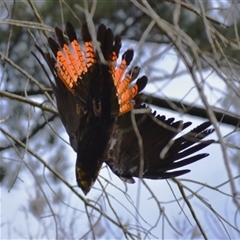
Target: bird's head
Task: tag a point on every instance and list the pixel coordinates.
(86, 175)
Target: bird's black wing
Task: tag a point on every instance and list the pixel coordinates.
(159, 151)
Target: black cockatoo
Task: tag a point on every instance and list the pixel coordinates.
(105, 117)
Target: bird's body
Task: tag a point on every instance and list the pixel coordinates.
(95, 99)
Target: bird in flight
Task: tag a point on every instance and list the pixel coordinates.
(100, 105)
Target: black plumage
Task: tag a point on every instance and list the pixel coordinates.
(161, 151)
(94, 101)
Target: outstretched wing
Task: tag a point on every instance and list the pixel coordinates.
(67, 103)
(159, 151)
